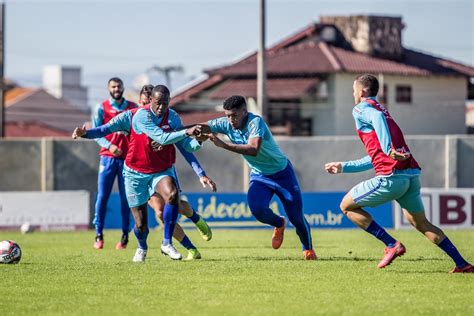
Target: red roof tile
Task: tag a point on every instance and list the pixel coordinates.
(284, 89)
(32, 129)
(193, 90)
(198, 117)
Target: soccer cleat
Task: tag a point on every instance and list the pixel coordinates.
(391, 253)
(204, 229)
(277, 237)
(469, 268)
(122, 244)
(170, 251)
(309, 255)
(193, 254)
(99, 242)
(140, 255)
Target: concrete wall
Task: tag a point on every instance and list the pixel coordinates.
(53, 164)
(437, 108)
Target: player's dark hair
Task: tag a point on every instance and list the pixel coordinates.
(161, 89)
(234, 102)
(369, 84)
(146, 90)
(115, 79)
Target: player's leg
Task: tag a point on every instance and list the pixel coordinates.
(106, 177)
(370, 193)
(414, 212)
(167, 189)
(136, 189)
(293, 204)
(259, 197)
(204, 230)
(125, 210)
(140, 216)
(156, 202)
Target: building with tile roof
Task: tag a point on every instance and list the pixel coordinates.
(310, 76)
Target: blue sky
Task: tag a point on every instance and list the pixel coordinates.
(125, 38)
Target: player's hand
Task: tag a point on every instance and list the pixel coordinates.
(79, 132)
(207, 182)
(202, 137)
(216, 140)
(194, 131)
(399, 156)
(333, 167)
(115, 150)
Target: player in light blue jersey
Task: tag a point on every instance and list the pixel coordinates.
(122, 123)
(271, 171)
(397, 177)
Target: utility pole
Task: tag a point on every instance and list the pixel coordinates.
(261, 66)
(2, 63)
(166, 71)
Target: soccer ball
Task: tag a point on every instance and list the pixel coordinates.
(26, 228)
(10, 252)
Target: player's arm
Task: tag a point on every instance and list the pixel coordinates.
(98, 120)
(194, 163)
(358, 165)
(250, 149)
(142, 124)
(379, 123)
(120, 123)
(256, 133)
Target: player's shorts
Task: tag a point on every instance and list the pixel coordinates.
(151, 188)
(137, 184)
(379, 190)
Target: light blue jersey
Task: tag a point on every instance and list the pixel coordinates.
(270, 159)
(122, 123)
(98, 118)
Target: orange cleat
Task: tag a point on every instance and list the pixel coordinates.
(277, 237)
(391, 253)
(122, 244)
(99, 242)
(467, 269)
(309, 255)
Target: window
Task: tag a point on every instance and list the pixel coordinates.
(403, 94)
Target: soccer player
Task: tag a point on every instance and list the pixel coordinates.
(272, 172)
(112, 154)
(123, 123)
(156, 201)
(397, 176)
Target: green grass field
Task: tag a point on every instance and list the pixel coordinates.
(60, 273)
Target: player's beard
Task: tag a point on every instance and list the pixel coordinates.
(116, 96)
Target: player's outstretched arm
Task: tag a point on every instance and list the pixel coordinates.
(250, 149)
(333, 167)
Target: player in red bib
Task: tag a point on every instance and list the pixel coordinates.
(112, 153)
(397, 177)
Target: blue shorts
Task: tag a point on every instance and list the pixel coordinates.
(137, 184)
(379, 190)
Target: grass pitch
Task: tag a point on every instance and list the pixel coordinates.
(240, 274)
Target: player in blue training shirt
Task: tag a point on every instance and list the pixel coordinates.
(271, 171)
(397, 177)
(124, 122)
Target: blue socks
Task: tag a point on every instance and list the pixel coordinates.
(194, 217)
(141, 238)
(451, 251)
(186, 243)
(381, 234)
(170, 216)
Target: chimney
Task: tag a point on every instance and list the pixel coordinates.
(379, 36)
(65, 82)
